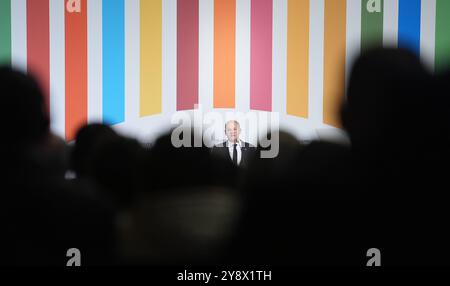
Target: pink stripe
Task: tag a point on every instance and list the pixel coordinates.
(187, 54)
(261, 55)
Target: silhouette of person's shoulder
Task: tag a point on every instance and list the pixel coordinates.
(248, 145)
(221, 145)
(325, 162)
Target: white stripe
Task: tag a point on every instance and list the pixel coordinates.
(390, 28)
(243, 20)
(428, 33)
(19, 34)
(316, 53)
(95, 62)
(353, 36)
(57, 67)
(132, 60)
(206, 54)
(169, 56)
(279, 56)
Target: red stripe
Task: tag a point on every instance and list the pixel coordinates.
(187, 53)
(76, 70)
(38, 44)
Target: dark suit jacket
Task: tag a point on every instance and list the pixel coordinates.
(221, 150)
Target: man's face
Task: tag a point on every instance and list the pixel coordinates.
(233, 131)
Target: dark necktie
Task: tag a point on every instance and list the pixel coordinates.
(235, 161)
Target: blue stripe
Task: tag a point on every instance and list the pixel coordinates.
(113, 61)
(409, 25)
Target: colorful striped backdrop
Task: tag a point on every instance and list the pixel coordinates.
(125, 61)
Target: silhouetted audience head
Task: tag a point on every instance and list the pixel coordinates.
(45, 214)
(110, 160)
(116, 166)
(88, 141)
(25, 123)
(24, 113)
(178, 165)
(384, 96)
(385, 112)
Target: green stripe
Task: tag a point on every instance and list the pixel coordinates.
(5, 31)
(371, 23)
(442, 53)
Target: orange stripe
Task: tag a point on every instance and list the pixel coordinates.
(224, 53)
(334, 60)
(298, 58)
(76, 70)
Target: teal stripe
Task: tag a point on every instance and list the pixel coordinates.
(5, 31)
(113, 61)
(442, 52)
(371, 23)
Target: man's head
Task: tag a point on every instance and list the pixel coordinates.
(232, 130)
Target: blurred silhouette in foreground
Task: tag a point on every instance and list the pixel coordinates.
(45, 215)
(316, 204)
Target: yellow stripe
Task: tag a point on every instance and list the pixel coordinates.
(151, 57)
(298, 58)
(334, 60)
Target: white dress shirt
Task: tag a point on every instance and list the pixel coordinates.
(238, 149)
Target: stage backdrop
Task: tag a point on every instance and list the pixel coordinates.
(135, 63)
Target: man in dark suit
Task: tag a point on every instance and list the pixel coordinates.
(234, 149)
